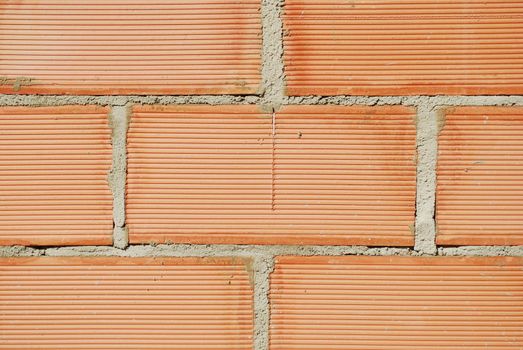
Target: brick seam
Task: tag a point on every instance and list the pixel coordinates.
(426, 148)
(249, 251)
(418, 100)
(119, 123)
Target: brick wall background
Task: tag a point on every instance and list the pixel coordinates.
(261, 174)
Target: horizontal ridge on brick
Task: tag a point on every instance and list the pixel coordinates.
(54, 163)
(130, 47)
(397, 47)
(480, 176)
(307, 175)
(93, 303)
(391, 302)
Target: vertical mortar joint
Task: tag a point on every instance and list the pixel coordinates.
(272, 65)
(119, 123)
(263, 266)
(426, 146)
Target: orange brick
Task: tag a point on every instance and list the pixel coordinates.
(215, 174)
(480, 176)
(391, 303)
(345, 175)
(402, 47)
(198, 174)
(130, 47)
(53, 176)
(125, 303)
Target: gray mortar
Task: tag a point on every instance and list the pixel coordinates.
(481, 251)
(272, 66)
(427, 148)
(415, 100)
(119, 123)
(12, 251)
(58, 100)
(251, 251)
(229, 250)
(262, 268)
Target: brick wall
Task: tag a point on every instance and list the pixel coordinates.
(261, 174)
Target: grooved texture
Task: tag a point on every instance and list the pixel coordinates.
(403, 47)
(396, 303)
(130, 47)
(346, 175)
(216, 174)
(54, 163)
(198, 174)
(125, 303)
(480, 176)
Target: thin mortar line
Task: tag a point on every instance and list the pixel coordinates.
(119, 123)
(237, 250)
(261, 269)
(272, 65)
(122, 100)
(426, 148)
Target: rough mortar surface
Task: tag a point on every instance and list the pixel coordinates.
(425, 226)
(273, 83)
(119, 123)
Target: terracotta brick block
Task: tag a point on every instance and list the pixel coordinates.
(480, 176)
(198, 174)
(397, 47)
(395, 302)
(125, 303)
(130, 47)
(54, 163)
(345, 175)
(216, 174)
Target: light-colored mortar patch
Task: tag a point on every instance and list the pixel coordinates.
(262, 269)
(244, 251)
(16, 82)
(427, 148)
(63, 100)
(251, 251)
(119, 123)
(11, 251)
(417, 100)
(272, 66)
(481, 251)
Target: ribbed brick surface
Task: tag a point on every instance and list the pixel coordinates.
(345, 175)
(480, 176)
(396, 47)
(391, 303)
(125, 303)
(53, 176)
(199, 173)
(129, 47)
(215, 174)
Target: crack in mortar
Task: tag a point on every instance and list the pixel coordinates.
(119, 119)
